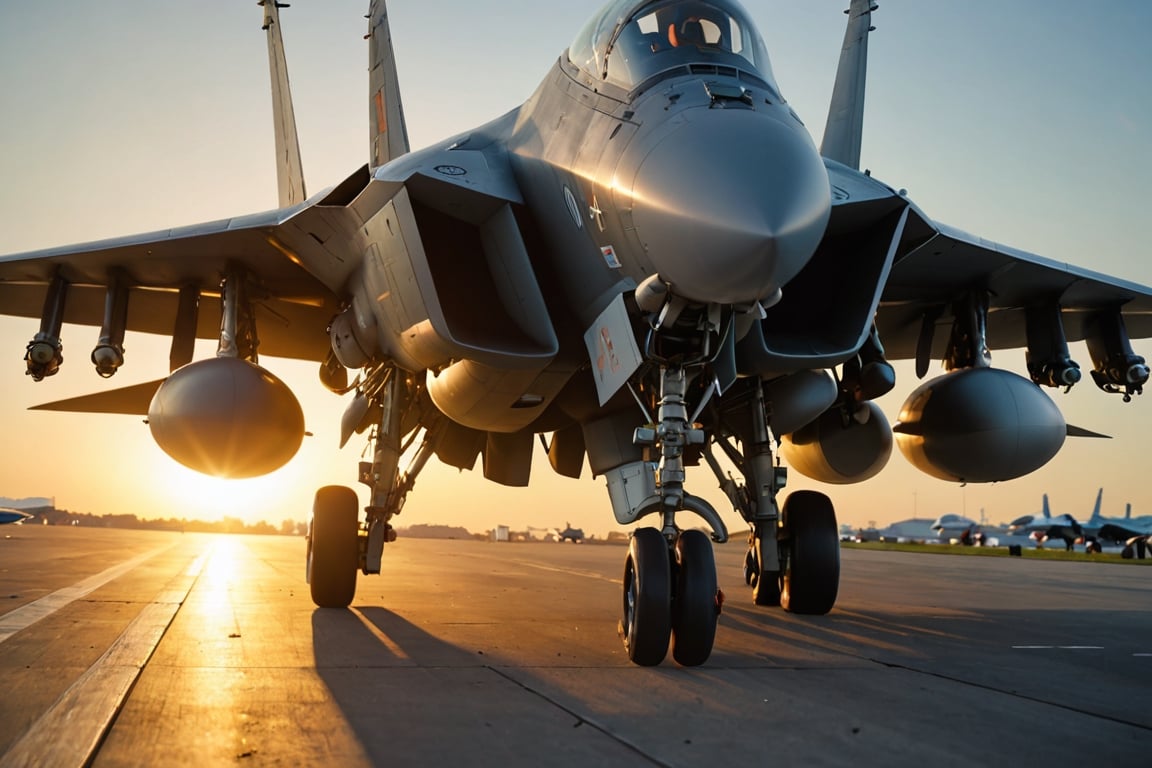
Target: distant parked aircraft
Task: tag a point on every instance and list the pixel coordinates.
(1119, 529)
(575, 535)
(1065, 527)
(952, 526)
(1043, 527)
(8, 515)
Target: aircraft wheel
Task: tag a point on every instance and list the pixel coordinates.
(333, 548)
(695, 608)
(765, 584)
(647, 620)
(766, 590)
(812, 575)
(751, 568)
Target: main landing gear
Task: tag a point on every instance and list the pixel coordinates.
(808, 548)
(338, 543)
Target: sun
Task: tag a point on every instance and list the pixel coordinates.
(202, 497)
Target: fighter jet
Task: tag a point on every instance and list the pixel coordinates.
(1119, 529)
(568, 533)
(951, 526)
(650, 263)
(1046, 526)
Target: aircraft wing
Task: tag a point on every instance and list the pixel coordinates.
(293, 305)
(1119, 532)
(938, 264)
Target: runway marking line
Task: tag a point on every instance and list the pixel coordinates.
(1057, 647)
(27, 615)
(85, 711)
(569, 571)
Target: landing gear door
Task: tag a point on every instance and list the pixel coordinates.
(612, 349)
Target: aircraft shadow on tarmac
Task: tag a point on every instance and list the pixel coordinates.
(844, 632)
(380, 667)
(377, 637)
(381, 670)
(1037, 653)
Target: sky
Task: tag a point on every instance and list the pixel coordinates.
(1025, 123)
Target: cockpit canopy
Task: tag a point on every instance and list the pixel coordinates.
(630, 41)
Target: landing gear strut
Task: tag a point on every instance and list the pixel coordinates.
(670, 590)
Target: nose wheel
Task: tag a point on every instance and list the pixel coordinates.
(697, 600)
(670, 594)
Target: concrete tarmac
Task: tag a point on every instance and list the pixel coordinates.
(127, 648)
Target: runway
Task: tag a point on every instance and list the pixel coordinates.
(124, 648)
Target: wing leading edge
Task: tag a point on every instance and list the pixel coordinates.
(939, 264)
(293, 306)
(953, 262)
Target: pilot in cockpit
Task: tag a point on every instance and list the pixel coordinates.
(689, 32)
(662, 36)
(691, 25)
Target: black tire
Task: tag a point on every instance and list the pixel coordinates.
(812, 575)
(751, 568)
(765, 584)
(333, 547)
(767, 589)
(695, 609)
(647, 621)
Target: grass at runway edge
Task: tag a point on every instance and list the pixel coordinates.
(1036, 554)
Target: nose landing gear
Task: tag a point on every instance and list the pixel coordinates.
(670, 585)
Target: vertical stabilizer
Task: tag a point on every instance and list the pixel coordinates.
(289, 169)
(1128, 511)
(388, 135)
(1096, 509)
(845, 127)
(1044, 509)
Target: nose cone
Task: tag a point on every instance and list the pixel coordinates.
(731, 205)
